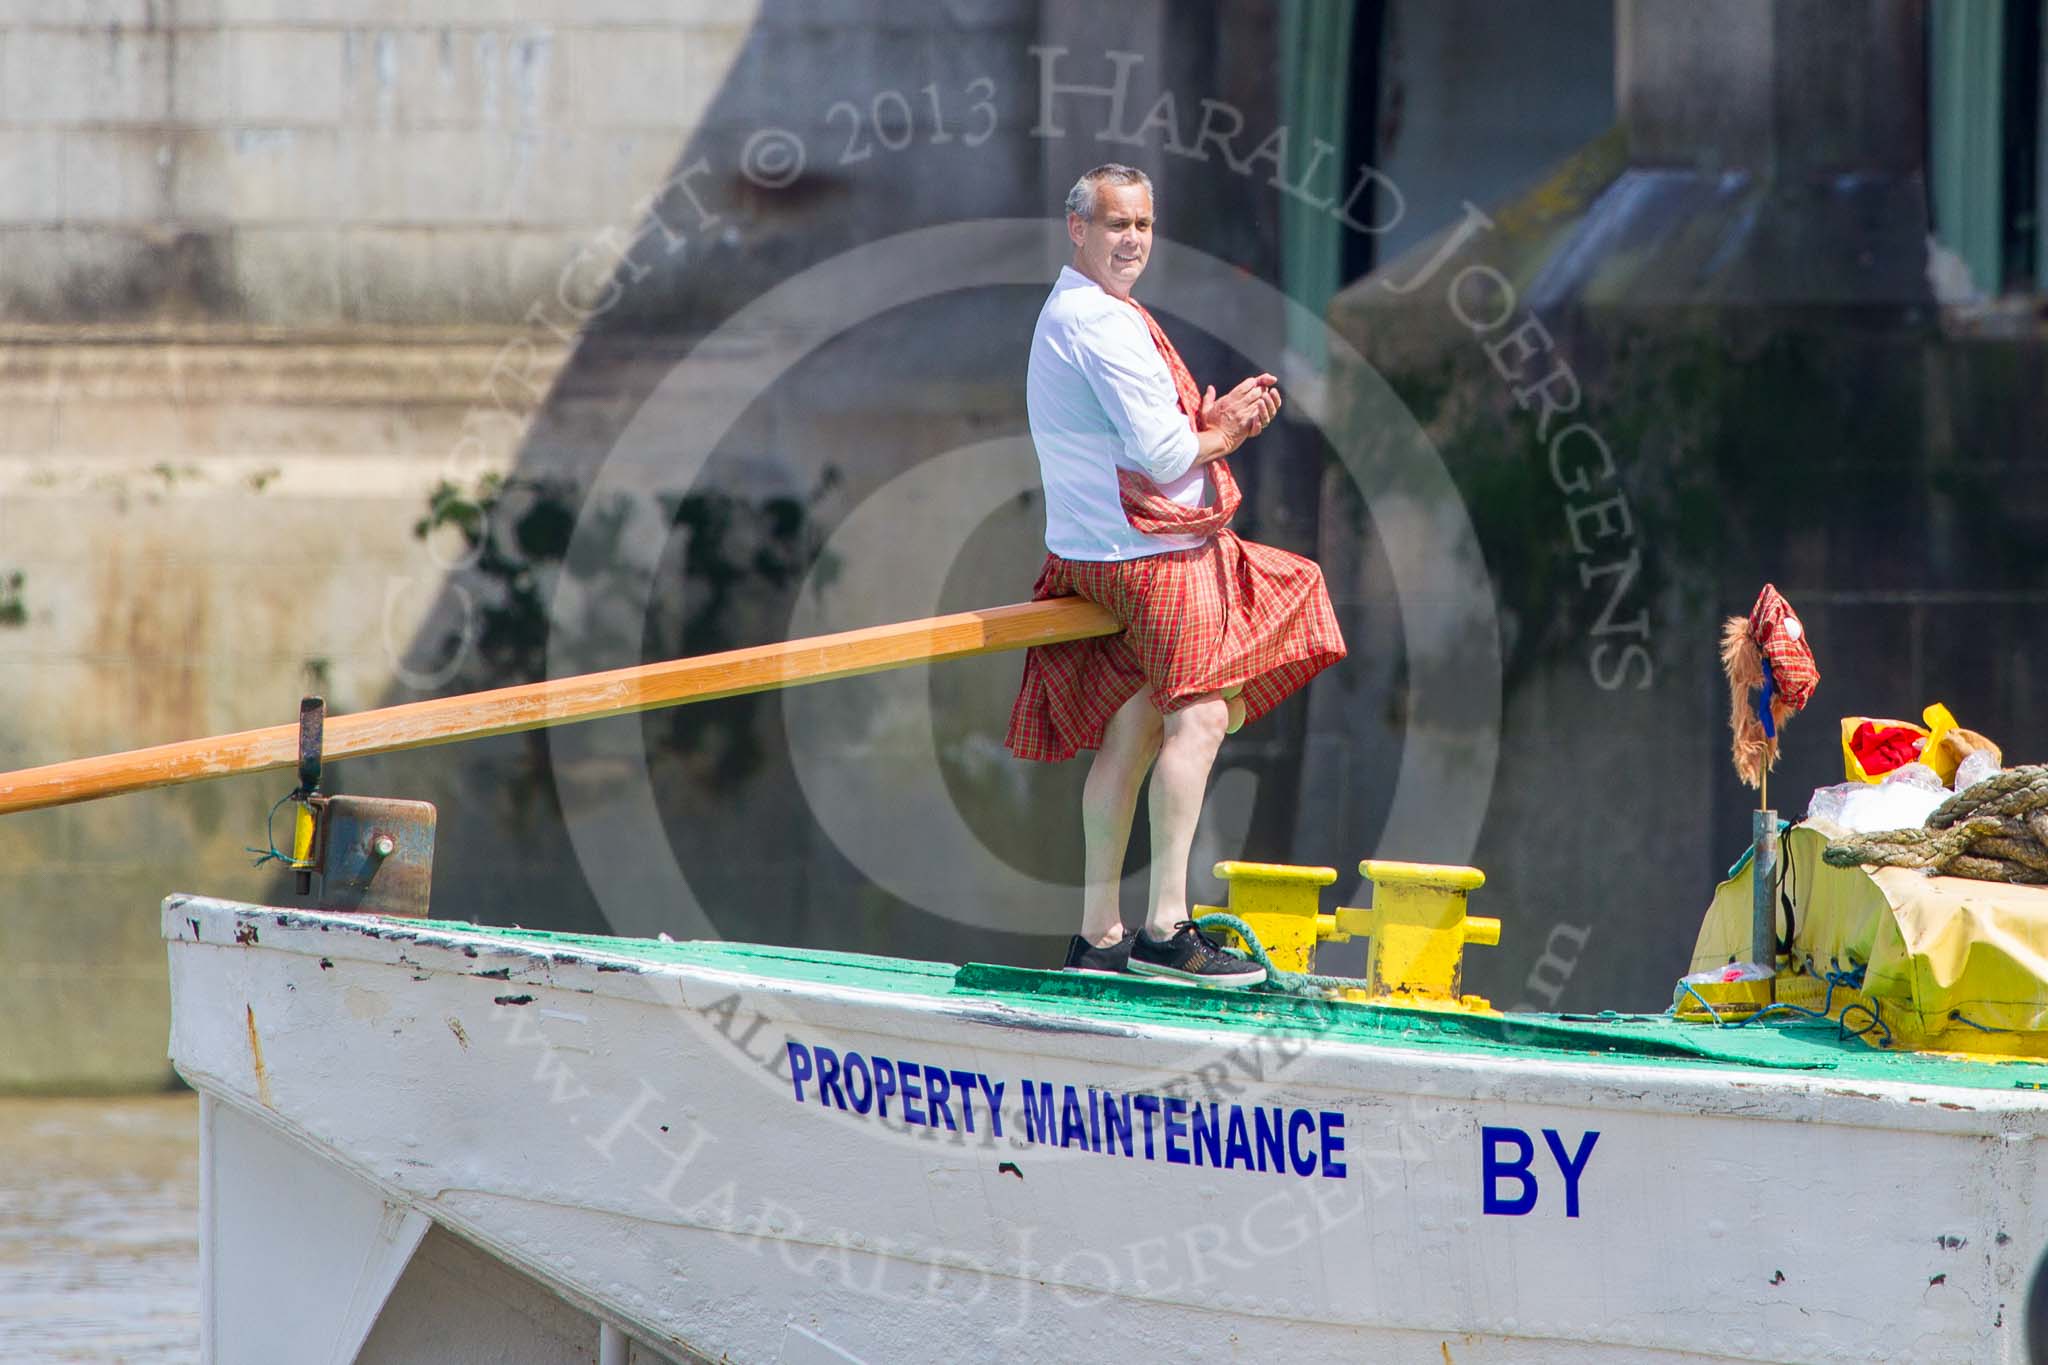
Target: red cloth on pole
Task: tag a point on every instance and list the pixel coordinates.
(1228, 613)
(1781, 636)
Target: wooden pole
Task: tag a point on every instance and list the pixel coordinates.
(530, 706)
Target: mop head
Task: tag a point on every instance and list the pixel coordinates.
(1765, 653)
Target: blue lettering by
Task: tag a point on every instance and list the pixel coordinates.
(1571, 1166)
(799, 1067)
(1176, 1127)
(1492, 1169)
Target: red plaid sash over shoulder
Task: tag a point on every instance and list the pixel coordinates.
(1228, 613)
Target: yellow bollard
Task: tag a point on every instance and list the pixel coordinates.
(1419, 930)
(1280, 904)
(1417, 924)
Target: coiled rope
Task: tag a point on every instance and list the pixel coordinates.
(1995, 831)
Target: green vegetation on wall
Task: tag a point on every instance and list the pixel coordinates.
(740, 560)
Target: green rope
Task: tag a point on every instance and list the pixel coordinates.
(1285, 982)
(269, 837)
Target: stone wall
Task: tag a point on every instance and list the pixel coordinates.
(304, 163)
(206, 526)
(271, 271)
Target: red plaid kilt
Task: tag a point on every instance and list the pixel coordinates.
(1195, 622)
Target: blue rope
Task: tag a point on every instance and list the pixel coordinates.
(1292, 983)
(1798, 1011)
(1957, 1015)
(1876, 1021)
(1712, 1013)
(1853, 980)
(1720, 1022)
(1823, 1015)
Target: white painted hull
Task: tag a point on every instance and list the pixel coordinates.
(632, 1140)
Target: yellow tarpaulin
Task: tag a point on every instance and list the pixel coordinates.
(1946, 958)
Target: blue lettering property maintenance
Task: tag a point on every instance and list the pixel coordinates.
(1140, 1127)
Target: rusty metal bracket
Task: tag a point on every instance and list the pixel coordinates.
(374, 855)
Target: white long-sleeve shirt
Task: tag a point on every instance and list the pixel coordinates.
(1100, 398)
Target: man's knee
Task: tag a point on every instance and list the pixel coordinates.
(1151, 726)
(1203, 722)
(1139, 718)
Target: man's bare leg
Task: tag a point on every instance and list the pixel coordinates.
(1180, 778)
(1109, 801)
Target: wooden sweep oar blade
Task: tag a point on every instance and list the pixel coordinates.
(443, 720)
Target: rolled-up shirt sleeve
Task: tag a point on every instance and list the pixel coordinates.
(1132, 383)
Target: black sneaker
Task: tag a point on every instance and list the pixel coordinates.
(1192, 956)
(1083, 956)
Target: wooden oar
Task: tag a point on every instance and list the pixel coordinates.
(587, 697)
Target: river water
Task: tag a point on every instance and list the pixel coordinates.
(99, 1229)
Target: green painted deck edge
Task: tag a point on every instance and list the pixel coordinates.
(901, 976)
(1781, 1047)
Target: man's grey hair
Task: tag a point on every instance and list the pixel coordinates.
(1081, 198)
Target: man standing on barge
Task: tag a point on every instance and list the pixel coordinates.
(1217, 630)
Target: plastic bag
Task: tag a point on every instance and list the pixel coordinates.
(1690, 992)
(1863, 808)
(1975, 768)
(1917, 775)
(1826, 803)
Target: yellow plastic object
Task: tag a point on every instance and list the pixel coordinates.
(1944, 959)
(302, 835)
(1730, 999)
(1734, 1000)
(1938, 721)
(1419, 930)
(1280, 904)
